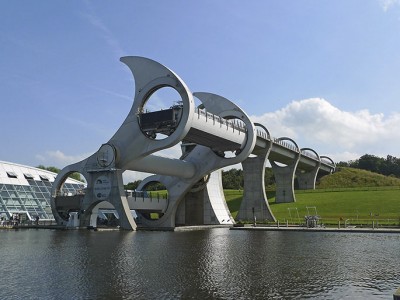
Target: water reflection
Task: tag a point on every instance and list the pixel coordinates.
(208, 264)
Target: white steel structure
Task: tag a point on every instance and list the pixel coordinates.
(214, 135)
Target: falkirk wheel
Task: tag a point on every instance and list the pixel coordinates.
(214, 135)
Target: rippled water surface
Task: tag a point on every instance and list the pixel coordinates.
(204, 264)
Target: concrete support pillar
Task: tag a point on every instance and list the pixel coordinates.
(284, 179)
(255, 203)
(284, 175)
(307, 179)
(120, 202)
(190, 210)
(205, 205)
(107, 186)
(216, 210)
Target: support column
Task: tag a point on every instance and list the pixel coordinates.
(307, 179)
(216, 210)
(107, 186)
(284, 177)
(205, 204)
(255, 204)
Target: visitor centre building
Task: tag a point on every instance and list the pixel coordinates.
(26, 191)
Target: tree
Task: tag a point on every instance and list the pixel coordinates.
(76, 176)
(385, 166)
(269, 178)
(232, 179)
(132, 185)
(370, 163)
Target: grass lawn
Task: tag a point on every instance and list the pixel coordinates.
(358, 205)
(331, 206)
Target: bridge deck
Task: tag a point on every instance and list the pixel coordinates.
(221, 134)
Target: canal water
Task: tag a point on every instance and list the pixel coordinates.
(204, 264)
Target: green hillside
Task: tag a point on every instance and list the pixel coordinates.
(346, 177)
(349, 194)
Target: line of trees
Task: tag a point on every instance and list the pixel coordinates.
(154, 186)
(233, 179)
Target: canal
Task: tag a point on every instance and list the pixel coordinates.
(205, 264)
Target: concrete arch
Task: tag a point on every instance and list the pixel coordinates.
(142, 186)
(307, 178)
(152, 179)
(328, 158)
(312, 150)
(284, 138)
(265, 128)
(90, 214)
(295, 160)
(57, 185)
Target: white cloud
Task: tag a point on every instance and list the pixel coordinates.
(132, 176)
(388, 4)
(342, 135)
(59, 159)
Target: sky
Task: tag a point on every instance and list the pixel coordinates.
(324, 73)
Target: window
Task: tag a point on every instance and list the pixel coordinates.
(11, 174)
(44, 177)
(28, 176)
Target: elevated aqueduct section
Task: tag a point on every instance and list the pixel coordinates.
(214, 135)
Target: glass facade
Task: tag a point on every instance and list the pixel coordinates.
(26, 190)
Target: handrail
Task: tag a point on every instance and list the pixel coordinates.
(238, 126)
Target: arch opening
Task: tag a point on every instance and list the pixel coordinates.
(104, 215)
(69, 195)
(151, 202)
(160, 113)
(282, 160)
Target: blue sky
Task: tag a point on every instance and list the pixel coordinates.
(325, 73)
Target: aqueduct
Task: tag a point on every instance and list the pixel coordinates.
(213, 135)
